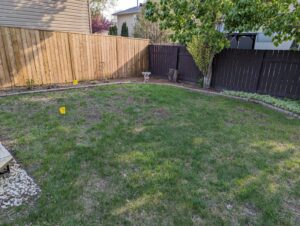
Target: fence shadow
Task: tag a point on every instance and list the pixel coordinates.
(21, 47)
(44, 57)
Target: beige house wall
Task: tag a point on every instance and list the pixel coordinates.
(53, 15)
(130, 20)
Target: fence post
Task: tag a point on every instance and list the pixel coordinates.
(71, 58)
(149, 56)
(177, 58)
(260, 71)
(117, 54)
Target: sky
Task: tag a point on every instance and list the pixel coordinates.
(121, 5)
(125, 4)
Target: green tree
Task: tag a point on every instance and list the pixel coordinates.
(277, 18)
(195, 23)
(98, 6)
(113, 30)
(124, 30)
(150, 30)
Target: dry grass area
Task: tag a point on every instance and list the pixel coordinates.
(152, 155)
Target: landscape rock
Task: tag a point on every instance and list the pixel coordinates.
(16, 187)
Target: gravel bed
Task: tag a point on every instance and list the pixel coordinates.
(16, 187)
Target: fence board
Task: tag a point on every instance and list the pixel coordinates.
(275, 73)
(188, 70)
(237, 70)
(162, 58)
(5, 80)
(59, 57)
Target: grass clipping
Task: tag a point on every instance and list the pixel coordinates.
(286, 104)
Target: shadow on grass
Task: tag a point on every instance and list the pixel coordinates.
(155, 155)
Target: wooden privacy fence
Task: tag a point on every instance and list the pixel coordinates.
(164, 57)
(276, 73)
(58, 57)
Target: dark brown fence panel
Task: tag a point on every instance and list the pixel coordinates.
(237, 70)
(163, 57)
(188, 70)
(275, 73)
(280, 74)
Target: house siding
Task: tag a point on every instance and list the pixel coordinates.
(130, 20)
(54, 15)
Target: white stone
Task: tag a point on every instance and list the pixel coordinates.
(16, 187)
(229, 207)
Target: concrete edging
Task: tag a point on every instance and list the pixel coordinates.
(297, 116)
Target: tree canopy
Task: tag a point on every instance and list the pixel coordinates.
(150, 30)
(203, 25)
(124, 30)
(193, 23)
(280, 18)
(277, 18)
(100, 24)
(98, 6)
(113, 30)
(187, 18)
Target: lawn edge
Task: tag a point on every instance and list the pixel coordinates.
(182, 86)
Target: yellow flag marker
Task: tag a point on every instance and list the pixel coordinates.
(62, 110)
(75, 82)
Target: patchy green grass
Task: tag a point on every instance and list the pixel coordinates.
(152, 155)
(286, 104)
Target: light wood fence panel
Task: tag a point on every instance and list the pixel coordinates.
(59, 57)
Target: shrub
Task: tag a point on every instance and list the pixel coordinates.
(30, 84)
(124, 31)
(203, 51)
(113, 30)
(100, 23)
(150, 30)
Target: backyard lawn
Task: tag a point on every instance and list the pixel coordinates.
(152, 155)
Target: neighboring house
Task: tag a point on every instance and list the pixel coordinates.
(128, 16)
(256, 40)
(54, 15)
(265, 42)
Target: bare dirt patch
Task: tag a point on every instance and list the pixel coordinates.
(161, 113)
(230, 122)
(250, 210)
(92, 115)
(92, 184)
(294, 207)
(138, 129)
(197, 220)
(39, 99)
(251, 113)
